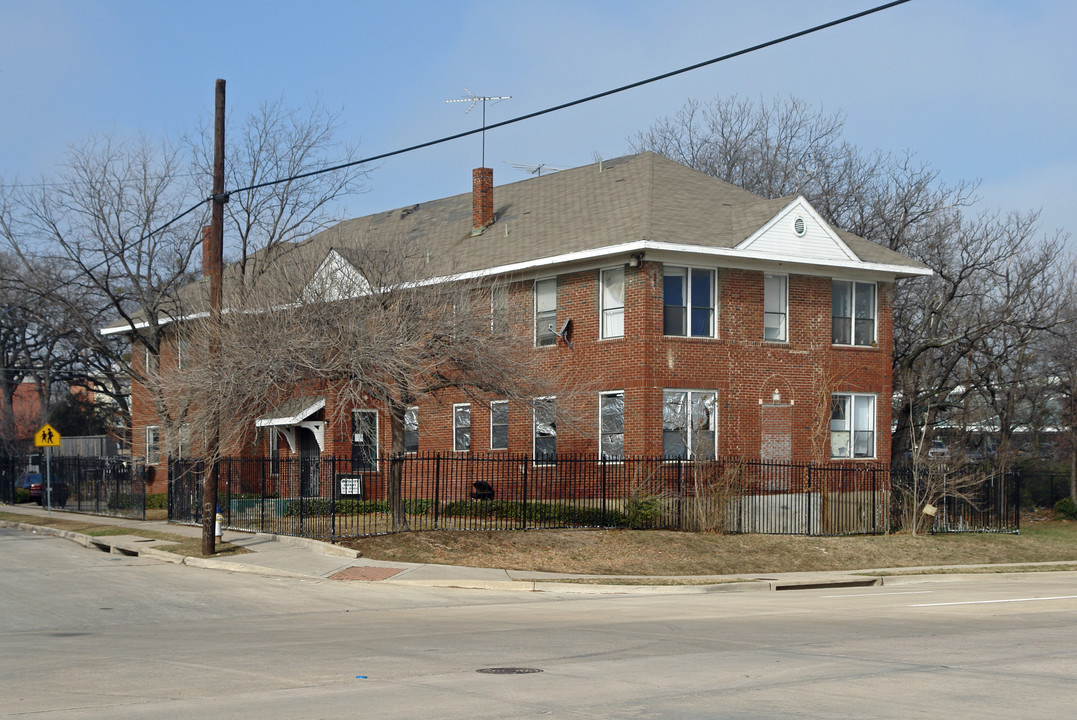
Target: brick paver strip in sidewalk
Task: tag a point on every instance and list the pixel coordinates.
(365, 573)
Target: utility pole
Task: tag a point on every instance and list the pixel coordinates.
(215, 259)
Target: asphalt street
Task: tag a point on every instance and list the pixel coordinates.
(84, 634)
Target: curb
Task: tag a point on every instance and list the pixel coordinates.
(318, 546)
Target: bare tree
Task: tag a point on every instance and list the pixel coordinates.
(365, 324)
(280, 143)
(116, 233)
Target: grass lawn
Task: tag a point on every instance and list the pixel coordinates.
(656, 552)
(627, 553)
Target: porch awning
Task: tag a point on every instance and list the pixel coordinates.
(291, 412)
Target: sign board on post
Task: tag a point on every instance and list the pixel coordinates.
(47, 437)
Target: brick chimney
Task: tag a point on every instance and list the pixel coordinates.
(482, 199)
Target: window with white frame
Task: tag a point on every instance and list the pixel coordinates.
(153, 444)
(411, 430)
(611, 425)
(775, 307)
(150, 362)
(499, 425)
(852, 426)
(612, 301)
(545, 311)
(688, 424)
(461, 427)
(364, 440)
(689, 300)
(545, 431)
(853, 312)
(499, 309)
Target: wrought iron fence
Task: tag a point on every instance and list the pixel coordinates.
(98, 486)
(987, 499)
(330, 497)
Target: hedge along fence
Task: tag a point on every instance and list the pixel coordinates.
(337, 497)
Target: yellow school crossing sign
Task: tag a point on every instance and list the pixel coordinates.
(47, 437)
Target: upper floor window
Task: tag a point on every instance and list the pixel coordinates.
(689, 299)
(461, 427)
(179, 352)
(853, 312)
(545, 430)
(775, 307)
(411, 430)
(499, 309)
(545, 311)
(688, 424)
(499, 425)
(613, 302)
(852, 426)
(611, 425)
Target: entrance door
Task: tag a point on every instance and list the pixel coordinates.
(309, 462)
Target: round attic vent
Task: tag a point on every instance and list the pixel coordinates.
(799, 227)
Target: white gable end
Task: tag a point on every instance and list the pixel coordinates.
(335, 279)
(797, 232)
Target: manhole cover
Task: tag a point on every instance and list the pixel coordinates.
(508, 670)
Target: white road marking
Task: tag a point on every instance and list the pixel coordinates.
(991, 602)
(907, 592)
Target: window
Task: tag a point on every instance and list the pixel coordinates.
(153, 444)
(183, 442)
(775, 307)
(852, 426)
(545, 311)
(499, 425)
(274, 451)
(150, 363)
(411, 430)
(688, 424)
(611, 425)
(499, 309)
(853, 312)
(613, 302)
(545, 431)
(461, 427)
(364, 440)
(689, 302)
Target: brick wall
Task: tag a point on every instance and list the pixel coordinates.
(737, 363)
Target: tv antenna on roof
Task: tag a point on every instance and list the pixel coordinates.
(535, 168)
(475, 100)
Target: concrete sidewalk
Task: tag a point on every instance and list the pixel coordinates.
(284, 556)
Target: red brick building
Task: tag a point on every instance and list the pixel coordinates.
(714, 322)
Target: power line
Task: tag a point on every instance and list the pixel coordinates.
(521, 118)
(589, 98)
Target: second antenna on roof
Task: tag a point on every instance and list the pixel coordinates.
(474, 100)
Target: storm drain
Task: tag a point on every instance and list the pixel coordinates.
(508, 670)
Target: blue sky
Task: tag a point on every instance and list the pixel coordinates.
(982, 90)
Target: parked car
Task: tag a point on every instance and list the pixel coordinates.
(34, 484)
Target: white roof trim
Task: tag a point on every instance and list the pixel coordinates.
(299, 417)
(729, 255)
